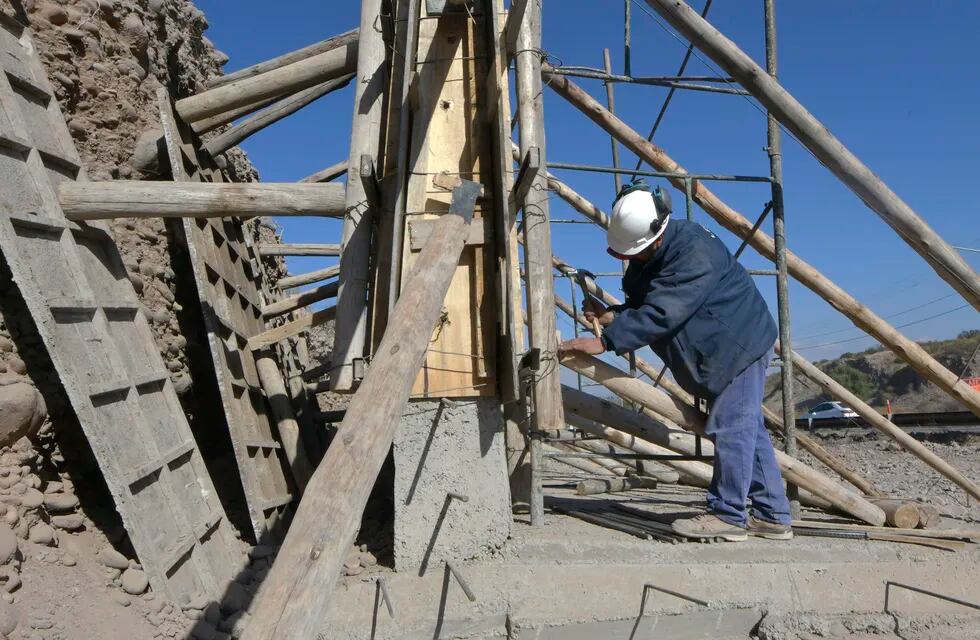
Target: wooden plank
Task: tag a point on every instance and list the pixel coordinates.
(292, 328)
(350, 327)
(451, 139)
(285, 107)
(152, 199)
(278, 82)
(292, 599)
(276, 249)
(340, 40)
(629, 388)
(862, 317)
(308, 278)
(420, 230)
(831, 152)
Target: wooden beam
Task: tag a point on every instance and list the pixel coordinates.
(794, 471)
(419, 231)
(332, 172)
(290, 329)
(285, 107)
(884, 425)
(515, 19)
(274, 249)
(614, 485)
(299, 300)
(149, 199)
(271, 84)
(831, 152)
(350, 328)
(308, 278)
(270, 377)
(542, 335)
(341, 40)
(806, 274)
(292, 599)
(530, 167)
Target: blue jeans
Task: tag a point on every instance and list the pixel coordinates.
(745, 463)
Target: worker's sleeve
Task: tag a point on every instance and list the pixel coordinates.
(672, 297)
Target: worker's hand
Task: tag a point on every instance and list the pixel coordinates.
(595, 309)
(590, 346)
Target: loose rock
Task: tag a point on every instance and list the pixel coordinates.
(112, 558)
(60, 502)
(43, 533)
(70, 522)
(134, 581)
(8, 545)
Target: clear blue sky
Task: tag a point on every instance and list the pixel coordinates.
(897, 82)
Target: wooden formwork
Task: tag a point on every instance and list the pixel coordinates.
(87, 314)
(226, 270)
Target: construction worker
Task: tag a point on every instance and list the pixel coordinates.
(689, 300)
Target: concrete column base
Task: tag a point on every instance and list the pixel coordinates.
(441, 449)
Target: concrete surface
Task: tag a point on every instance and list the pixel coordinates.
(570, 579)
(453, 448)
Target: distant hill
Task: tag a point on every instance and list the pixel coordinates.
(877, 375)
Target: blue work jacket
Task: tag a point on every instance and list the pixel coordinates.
(696, 307)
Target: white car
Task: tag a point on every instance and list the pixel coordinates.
(830, 410)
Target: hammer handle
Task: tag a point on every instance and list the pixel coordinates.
(596, 327)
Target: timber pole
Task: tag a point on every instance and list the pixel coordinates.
(332, 172)
(882, 424)
(350, 327)
(157, 199)
(276, 249)
(300, 300)
(806, 274)
(293, 598)
(308, 278)
(270, 377)
(286, 107)
(830, 151)
(269, 85)
(629, 388)
(542, 334)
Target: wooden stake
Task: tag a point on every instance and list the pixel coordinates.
(884, 425)
(806, 274)
(271, 84)
(293, 598)
(308, 278)
(288, 106)
(350, 328)
(629, 388)
(148, 199)
(830, 151)
(299, 300)
(341, 40)
(270, 377)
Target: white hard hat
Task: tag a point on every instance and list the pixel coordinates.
(636, 223)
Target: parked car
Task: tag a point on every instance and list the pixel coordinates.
(830, 410)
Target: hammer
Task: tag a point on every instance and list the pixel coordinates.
(580, 276)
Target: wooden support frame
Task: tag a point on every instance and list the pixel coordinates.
(515, 20)
(806, 274)
(291, 601)
(152, 199)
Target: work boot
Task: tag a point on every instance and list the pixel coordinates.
(769, 530)
(708, 525)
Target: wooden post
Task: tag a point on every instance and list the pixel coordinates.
(830, 151)
(275, 249)
(884, 425)
(308, 278)
(806, 274)
(332, 172)
(271, 84)
(288, 106)
(681, 414)
(270, 377)
(293, 598)
(350, 328)
(341, 40)
(546, 386)
(148, 199)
